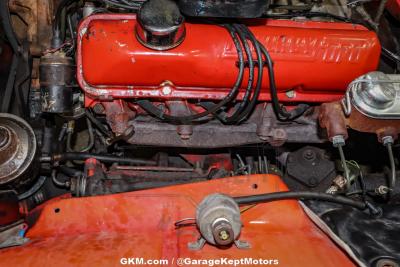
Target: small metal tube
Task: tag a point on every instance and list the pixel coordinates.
(388, 142)
(344, 164)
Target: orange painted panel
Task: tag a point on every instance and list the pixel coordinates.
(99, 231)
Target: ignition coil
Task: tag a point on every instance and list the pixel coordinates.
(57, 79)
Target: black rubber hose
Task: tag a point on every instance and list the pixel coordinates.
(309, 14)
(8, 91)
(12, 39)
(90, 141)
(100, 157)
(362, 185)
(57, 182)
(57, 15)
(254, 199)
(155, 111)
(39, 183)
(98, 124)
(70, 172)
(121, 5)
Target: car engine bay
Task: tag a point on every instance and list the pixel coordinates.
(253, 101)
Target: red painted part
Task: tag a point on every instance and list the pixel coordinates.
(214, 161)
(99, 231)
(393, 6)
(9, 208)
(316, 59)
(90, 166)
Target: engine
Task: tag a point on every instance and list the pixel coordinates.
(312, 63)
(115, 96)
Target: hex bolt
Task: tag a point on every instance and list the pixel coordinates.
(382, 190)
(166, 90)
(309, 154)
(338, 140)
(290, 94)
(223, 233)
(185, 131)
(386, 140)
(312, 182)
(279, 136)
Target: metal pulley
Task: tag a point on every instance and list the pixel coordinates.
(17, 150)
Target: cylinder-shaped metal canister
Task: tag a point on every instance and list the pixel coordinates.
(218, 219)
(57, 78)
(160, 25)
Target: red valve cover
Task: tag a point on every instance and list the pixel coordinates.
(314, 59)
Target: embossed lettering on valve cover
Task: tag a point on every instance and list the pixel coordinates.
(325, 49)
(316, 60)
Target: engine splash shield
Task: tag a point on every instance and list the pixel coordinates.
(99, 231)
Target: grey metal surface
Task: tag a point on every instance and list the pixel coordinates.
(261, 127)
(17, 149)
(214, 209)
(376, 95)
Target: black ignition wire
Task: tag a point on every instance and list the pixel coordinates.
(160, 114)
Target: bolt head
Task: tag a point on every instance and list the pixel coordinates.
(386, 140)
(312, 181)
(290, 94)
(338, 140)
(309, 154)
(223, 234)
(166, 90)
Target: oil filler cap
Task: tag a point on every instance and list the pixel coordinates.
(160, 25)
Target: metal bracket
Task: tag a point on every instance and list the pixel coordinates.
(13, 236)
(241, 244)
(199, 244)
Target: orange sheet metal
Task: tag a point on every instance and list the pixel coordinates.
(99, 231)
